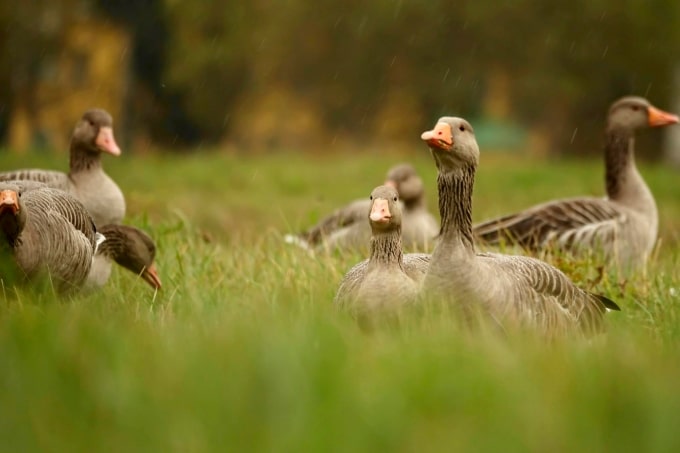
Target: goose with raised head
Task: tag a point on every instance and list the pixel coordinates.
(45, 232)
(347, 229)
(129, 247)
(513, 291)
(388, 280)
(622, 226)
(86, 179)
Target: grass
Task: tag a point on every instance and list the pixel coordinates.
(242, 350)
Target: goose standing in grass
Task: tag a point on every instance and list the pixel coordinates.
(384, 283)
(45, 231)
(513, 291)
(129, 247)
(623, 225)
(86, 179)
(347, 229)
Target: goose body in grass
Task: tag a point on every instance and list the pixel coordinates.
(86, 179)
(388, 280)
(130, 248)
(622, 226)
(511, 291)
(347, 228)
(45, 232)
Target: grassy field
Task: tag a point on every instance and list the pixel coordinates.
(241, 350)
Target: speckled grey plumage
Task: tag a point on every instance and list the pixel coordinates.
(55, 235)
(623, 226)
(86, 179)
(513, 291)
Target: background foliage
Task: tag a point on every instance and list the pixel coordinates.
(298, 73)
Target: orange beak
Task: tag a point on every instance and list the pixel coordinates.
(106, 142)
(150, 275)
(9, 199)
(660, 118)
(439, 137)
(380, 211)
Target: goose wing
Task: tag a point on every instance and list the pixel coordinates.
(570, 223)
(354, 212)
(56, 179)
(546, 297)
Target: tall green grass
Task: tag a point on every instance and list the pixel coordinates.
(242, 350)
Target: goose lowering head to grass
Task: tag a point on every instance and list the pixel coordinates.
(347, 229)
(45, 232)
(86, 179)
(384, 283)
(510, 291)
(129, 247)
(622, 226)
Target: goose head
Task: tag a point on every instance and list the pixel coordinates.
(633, 112)
(133, 249)
(94, 132)
(12, 213)
(452, 144)
(404, 178)
(385, 213)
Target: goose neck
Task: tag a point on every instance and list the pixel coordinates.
(386, 248)
(455, 206)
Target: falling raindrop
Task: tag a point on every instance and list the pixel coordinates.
(573, 136)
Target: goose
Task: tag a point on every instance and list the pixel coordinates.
(622, 226)
(512, 291)
(388, 279)
(45, 231)
(129, 247)
(347, 229)
(86, 179)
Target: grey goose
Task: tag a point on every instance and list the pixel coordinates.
(130, 248)
(622, 226)
(511, 291)
(347, 228)
(45, 232)
(86, 179)
(381, 285)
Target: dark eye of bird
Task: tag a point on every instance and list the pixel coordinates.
(635, 108)
(371, 197)
(395, 198)
(462, 128)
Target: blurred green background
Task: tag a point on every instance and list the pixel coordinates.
(261, 75)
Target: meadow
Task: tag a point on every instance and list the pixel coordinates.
(242, 349)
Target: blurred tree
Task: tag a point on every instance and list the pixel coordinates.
(299, 73)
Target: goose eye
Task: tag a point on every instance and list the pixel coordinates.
(635, 108)
(371, 198)
(395, 198)
(461, 128)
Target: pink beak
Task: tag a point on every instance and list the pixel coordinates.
(106, 142)
(380, 211)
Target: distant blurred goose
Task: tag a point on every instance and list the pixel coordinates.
(386, 281)
(131, 248)
(347, 229)
(86, 179)
(623, 225)
(513, 291)
(45, 231)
